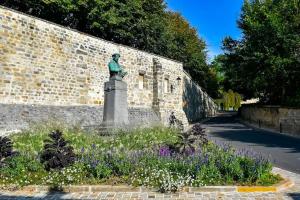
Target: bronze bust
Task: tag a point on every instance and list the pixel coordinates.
(115, 69)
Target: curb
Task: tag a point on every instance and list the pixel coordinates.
(285, 184)
(123, 188)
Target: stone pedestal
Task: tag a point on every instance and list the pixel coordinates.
(115, 113)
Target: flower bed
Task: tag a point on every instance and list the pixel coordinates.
(161, 158)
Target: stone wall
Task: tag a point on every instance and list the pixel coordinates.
(197, 104)
(15, 117)
(45, 65)
(279, 119)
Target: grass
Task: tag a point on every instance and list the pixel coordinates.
(31, 140)
(132, 158)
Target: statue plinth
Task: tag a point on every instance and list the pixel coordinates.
(115, 103)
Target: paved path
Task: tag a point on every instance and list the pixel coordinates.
(284, 151)
(292, 193)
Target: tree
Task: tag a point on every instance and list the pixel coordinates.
(231, 100)
(185, 45)
(265, 62)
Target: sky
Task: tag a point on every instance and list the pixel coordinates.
(213, 19)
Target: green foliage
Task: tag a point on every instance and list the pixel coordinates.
(70, 175)
(265, 62)
(144, 138)
(57, 154)
(237, 101)
(163, 179)
(21, 170)
(208, 175)
(217, 77)
(184, 45)
(188, 141)
(185, 144)
(231, 100)
(32, 140)
(137, 158)
(102, 171)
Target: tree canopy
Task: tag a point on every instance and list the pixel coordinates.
(142, 24)
(265, 62)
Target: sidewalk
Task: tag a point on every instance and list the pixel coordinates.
(292, 193)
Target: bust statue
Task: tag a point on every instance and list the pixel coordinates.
(115, 69)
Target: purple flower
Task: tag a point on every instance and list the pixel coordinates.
(189, 152)
(164, 151)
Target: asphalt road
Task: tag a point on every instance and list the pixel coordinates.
(283, 151)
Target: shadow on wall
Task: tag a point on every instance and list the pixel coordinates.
(194, 106)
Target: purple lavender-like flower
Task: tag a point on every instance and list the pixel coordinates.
(189, 152)
(164, 151)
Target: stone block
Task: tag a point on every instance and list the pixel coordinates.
(115, 104)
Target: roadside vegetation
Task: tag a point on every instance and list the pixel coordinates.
(161, 158)
(264, 63)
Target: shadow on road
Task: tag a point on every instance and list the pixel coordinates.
(294, 196)
(227, 127)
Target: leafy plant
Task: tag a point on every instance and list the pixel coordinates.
(21, 170)
(6, 149)
(199, 132)
(188, 141)
(143, 158)
(70, 175)
(57, 153)
(185, 145)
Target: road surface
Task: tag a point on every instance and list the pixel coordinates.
(284, 151)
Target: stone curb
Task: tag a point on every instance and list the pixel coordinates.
(123, 188)
(285, 184)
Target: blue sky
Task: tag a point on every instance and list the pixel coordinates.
(214, 19)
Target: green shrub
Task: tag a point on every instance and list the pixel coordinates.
(163, 179)
(21, 170)
(208, 175)
(31, 140)
(75, 174)
(142, 157)
(142, 138)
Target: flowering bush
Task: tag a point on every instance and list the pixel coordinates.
(21, 170)
(144, 157)
(70, 175)
(163, 179)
